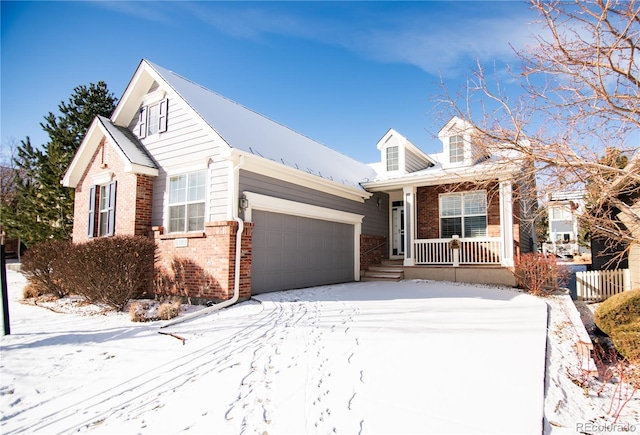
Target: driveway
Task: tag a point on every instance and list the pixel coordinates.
(407, 357)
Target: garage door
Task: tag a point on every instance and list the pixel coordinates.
(294, 252)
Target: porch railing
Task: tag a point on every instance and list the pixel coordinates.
(484, 250)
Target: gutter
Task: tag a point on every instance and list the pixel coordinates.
(236, 278)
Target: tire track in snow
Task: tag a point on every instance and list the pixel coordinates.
(143, 392)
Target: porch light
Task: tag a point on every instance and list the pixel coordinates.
(378, 202)
(243, 203)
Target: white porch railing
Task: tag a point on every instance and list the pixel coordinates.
(598, 285)
(472, 251)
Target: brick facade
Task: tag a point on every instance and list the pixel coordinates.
(373, 249)
(428, 214)
(207, 259)
(133, 195)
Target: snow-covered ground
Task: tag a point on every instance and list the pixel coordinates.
(408, 357)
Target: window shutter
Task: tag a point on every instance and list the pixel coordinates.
(142, 122)
(111, 212)
(162, 118)
(92, 212)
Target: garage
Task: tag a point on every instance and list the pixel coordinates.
(297, 245)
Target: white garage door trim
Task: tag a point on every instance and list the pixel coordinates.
(256, 201)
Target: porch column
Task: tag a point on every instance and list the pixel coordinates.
(409, 194)
(506, 223)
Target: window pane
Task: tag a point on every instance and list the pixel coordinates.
(177, 189)
(475, 226)
(196, 186)
(196, 216)
(154, 115)
(451, 205)
(456, 149)
(392, 159)
(104, 197)
(102, 226)
(450, 227)
(176, 218)
(475, 203)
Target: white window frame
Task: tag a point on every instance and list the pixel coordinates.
(151, 125)
(392, 158)
(463, 213)
(102, 202)
(456, 143)
(186, 202)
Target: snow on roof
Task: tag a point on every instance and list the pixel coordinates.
(127, 142)
(249, 131)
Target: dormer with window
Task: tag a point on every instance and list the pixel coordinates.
(152, 116)
(457, 142)
(399, 156)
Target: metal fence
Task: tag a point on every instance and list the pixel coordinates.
(598, 285)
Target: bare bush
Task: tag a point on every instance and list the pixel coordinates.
(44, 266)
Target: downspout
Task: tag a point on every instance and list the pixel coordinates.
(236, 277)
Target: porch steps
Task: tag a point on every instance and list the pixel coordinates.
(389, 270)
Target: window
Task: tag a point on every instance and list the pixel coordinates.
(463, 214)
(456, 149)
(186, 202)
(153, 118)
(392, 159)
(105, 197)
(560, 213)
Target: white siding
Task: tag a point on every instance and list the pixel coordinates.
(186, 144)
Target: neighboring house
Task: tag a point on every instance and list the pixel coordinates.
(564, 209)
(190, 167)
(613, 253)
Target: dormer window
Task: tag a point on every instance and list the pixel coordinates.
(456, 149)
(152, 118)
(392, 159)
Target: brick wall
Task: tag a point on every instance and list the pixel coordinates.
(428, 215)
(133, 196)
(372, 250)
(207, 259)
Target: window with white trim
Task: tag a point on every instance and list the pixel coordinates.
(152, 118)
(561, 213)
(392, 159)
(456, 149)
(186, 202)
(463, 214)
(104, 197)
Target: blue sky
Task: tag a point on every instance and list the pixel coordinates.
(342, 73)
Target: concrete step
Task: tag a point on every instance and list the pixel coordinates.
(389, 269)
(392, 263)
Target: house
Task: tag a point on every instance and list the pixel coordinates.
(222, 189)
(483, 200)
(564, 209)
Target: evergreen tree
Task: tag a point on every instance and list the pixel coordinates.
(44, 207)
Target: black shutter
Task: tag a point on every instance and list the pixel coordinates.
(111, 209)
(142, 122)
(162, 117)
(92, 212)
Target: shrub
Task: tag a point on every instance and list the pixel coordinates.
(139, 312)
(113, 270)
(44, 266)
(539, 274)
(618, 310)
(32, 290)
(619, 318)
(169, 309)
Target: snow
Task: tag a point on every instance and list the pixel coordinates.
(408, 357)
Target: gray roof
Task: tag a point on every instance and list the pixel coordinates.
(128, 143)
(249, 131)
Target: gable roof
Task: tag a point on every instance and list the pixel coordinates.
(246, 130)
(130, 150)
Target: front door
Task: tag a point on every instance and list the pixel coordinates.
(397, 228)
